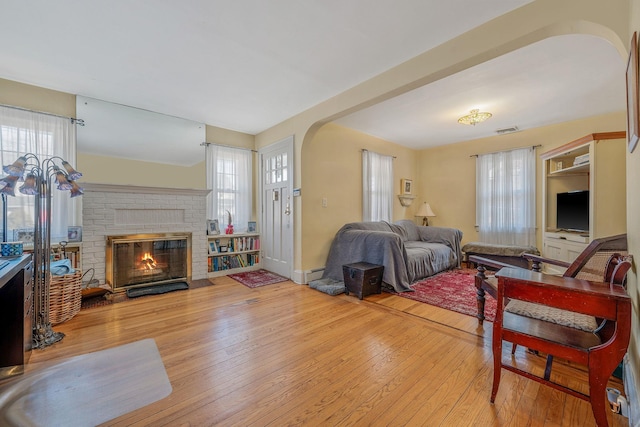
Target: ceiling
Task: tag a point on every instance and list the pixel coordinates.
(552, 81)
(249, 65)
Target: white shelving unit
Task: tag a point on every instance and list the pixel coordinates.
(233, 253)
(600, 168)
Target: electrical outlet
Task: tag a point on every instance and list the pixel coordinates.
(324, 202)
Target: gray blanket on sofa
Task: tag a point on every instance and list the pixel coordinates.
(406, 251)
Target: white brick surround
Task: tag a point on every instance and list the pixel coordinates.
(122, 209)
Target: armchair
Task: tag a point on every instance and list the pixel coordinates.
(600, 350)
(583, 316)
(591, 264)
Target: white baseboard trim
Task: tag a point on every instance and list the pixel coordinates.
(298, 277)
(631, 391)
(303, 277)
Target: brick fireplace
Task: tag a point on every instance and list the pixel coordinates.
(112, 210)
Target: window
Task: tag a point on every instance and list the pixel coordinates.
(377, 187)
(229, 174)
(506, 197)
(44, 135)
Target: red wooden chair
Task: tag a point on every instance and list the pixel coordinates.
(591, 264)
(583, 316)
(601, 350)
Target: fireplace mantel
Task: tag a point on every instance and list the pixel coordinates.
(119, 188)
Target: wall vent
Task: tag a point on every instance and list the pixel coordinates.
(507, 130)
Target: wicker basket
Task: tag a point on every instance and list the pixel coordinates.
(65, 297)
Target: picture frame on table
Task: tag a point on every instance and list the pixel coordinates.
(74, 233)
(633, 108)
(407, 186)
(213, 227)
(252, 227)
(213, 247)
(24, 235)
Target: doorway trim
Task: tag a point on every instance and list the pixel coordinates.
(286, 144)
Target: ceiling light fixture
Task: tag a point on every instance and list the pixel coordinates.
(475, 117)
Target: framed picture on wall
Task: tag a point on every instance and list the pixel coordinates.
(633, 110)
(407, 186)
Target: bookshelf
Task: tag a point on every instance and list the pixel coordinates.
(233, 253)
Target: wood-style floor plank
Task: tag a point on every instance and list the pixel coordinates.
(285, 354)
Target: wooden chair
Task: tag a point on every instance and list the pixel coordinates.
(591, 264)
(587, 322)
(601, 351)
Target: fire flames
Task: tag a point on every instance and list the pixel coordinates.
(147, 262)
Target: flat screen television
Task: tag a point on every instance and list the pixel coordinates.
(573, 211)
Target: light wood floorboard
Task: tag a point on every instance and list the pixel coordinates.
(285, 354)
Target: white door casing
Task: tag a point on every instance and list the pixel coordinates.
(276, 186)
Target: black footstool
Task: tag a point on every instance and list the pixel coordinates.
(362, 278)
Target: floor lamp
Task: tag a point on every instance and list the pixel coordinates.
(38, 178)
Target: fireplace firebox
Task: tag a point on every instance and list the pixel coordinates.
(137, 260)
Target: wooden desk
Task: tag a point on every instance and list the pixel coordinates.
(16, 312)
(601, 353)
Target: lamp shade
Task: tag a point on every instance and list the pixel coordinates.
(425, 210)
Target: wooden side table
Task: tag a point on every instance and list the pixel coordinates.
(362, 278)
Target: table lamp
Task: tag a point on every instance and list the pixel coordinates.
(425, 212)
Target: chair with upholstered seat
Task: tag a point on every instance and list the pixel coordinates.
(587, 322)
(600, 350)
(591, 264)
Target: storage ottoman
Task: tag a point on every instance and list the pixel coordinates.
(362, 278)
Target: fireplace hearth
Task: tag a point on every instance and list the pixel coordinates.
(137, 260)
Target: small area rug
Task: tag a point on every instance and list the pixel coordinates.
(453, 290)
(254, 279)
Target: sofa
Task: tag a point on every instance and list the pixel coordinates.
(407, 251)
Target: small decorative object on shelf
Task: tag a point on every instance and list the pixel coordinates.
(251, 227)
(24, 235)
(212, 227)
(407, 186)
(11, 249)
(229, 229)
(74, 233)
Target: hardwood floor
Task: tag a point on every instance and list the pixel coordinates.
(285, 354)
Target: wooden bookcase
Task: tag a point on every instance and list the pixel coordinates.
(233, 253)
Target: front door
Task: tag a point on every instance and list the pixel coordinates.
(276, 172)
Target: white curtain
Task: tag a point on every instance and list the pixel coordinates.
(45, 136)
(506, 197)
(377, 187)
(229, 177)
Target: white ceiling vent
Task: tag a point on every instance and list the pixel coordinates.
(507, 130)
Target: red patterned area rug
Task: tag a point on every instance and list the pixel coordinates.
(453, 290)
(254, 279)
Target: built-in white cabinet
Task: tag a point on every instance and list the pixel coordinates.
(595, 163)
